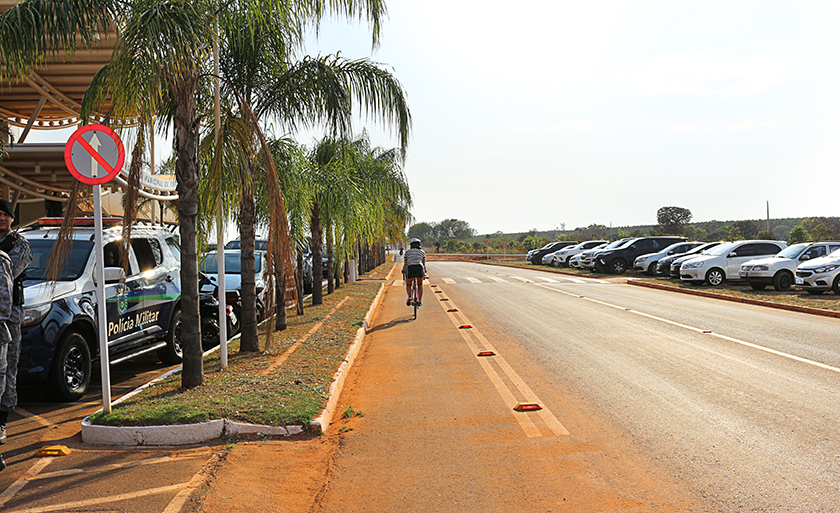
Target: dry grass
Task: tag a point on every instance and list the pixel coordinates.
(290, 393)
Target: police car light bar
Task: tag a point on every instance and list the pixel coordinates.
(79, 221)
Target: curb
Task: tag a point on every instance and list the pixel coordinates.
(757, 302)
(188, 434)
(320, 423)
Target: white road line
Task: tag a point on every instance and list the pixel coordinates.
(37, 418)
(458, 318)
(448, 281)
(105, 500)
(198, 479)
(497, 279)
(547, 280)
(115, 466)
(472, 279)
(34, 470)
(523, 280)
(709, 332)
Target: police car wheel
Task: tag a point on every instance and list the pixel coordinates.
(172, 354)
(71, 367)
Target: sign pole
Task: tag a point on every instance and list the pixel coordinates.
(101, 316)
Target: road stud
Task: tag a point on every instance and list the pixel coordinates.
(54, 450)
(452, 310)
(527, 407)
(486, 353)
(464, 327)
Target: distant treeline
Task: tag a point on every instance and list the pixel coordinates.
(792, 230)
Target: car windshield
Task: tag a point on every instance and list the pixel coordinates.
(617, 243)
(73, 267)
(792, 251)
(834, 254)
(722, 249)
(233, 263)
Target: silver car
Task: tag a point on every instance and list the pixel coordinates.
(820, 274)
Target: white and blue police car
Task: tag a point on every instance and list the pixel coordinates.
(59, 339)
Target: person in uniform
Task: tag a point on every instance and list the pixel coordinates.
(17, 250)
(5, 322)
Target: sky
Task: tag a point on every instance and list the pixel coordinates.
(553, 114)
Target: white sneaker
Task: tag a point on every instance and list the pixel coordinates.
(2, 434)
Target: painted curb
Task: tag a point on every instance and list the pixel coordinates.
(736, 299)
(187, 434)
(320, 423)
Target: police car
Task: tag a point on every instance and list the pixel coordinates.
(59, 329)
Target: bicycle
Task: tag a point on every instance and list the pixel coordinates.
(414, 300)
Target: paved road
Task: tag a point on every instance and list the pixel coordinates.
(741, 403)
(93, 478)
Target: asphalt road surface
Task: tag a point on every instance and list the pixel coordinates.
(740, 403)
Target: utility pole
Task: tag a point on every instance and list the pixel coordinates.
(768, 215)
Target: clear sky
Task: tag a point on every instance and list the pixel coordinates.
(547, 113)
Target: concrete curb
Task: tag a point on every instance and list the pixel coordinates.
(187, 434)
(736, 299)
(320, 423)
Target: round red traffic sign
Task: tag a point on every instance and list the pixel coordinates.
(94, 154)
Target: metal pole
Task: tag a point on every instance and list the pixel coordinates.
(220, 228)
(101, 315)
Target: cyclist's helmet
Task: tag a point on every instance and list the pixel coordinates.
(414, 243)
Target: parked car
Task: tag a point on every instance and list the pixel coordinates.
(59, 332)
(561, 257)
(535, 255)
(723, 262)
(779, 269)
(587, 258)
(574, 262)
(820, 274)
(259, 244)
(648, 263)
(618, 260)
(233, 277)
(670, 266)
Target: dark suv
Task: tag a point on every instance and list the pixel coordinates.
(617, 261)
(535, 255)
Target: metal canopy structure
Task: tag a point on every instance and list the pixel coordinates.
(49, 98)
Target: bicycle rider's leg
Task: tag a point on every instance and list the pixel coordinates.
(419, 289)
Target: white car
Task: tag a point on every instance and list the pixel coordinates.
(723, 262)
(778, 270)
(562, 257)
(647, 263)
(820, 274)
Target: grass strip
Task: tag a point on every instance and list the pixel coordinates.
(288, 394)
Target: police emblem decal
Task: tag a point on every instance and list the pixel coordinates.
(122, 300)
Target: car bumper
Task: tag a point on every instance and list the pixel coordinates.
(697, 274)
(641, 267)
(765, 277)
(813, 281)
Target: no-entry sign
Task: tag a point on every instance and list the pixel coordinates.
(94, 154)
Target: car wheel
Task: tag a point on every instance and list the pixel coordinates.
(173, 353)
(566, 263)
(836, 286)
(652, 269)
(782, 281)
(715, 277)
(71, 366)
(618, 266)
(758, 286)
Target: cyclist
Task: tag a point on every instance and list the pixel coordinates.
(414, 269)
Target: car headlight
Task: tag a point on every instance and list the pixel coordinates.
(35, 314)
(692, 265)
(826, 268)
(641, 259)
(760, 268)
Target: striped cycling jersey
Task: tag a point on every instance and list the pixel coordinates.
(414, 256)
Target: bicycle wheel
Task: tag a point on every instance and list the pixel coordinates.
(414, 299)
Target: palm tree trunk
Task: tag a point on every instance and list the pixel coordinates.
(317, 264)
(299, 283)
(280, 323)
(330, 262)
(247, 214)
(186, 169)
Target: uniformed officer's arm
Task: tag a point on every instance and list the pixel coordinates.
(5, 288)
(21, 256)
